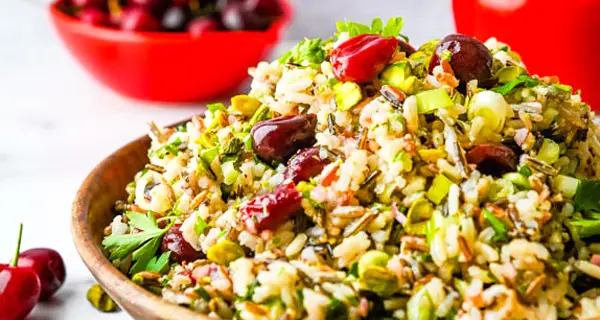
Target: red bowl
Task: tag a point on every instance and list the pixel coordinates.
(163, 66)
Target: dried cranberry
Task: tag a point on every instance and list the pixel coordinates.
(470, 59)
(270, 210)
(306, 164)
(180, 249)
(361, 58)
(276, 140)
(493, 159)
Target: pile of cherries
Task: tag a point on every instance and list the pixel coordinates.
(194, 16)
(33, 275)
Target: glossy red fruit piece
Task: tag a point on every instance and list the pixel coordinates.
(19, 292)
(276, 140)
(405, 47)
(89, 3)
(235, 17)
(138, 19)
(493, 158)
(306, 164)
(470, 59)
(269, 211)
(176, 18)
(180, 249)
(93, 16)
(200, 25)
(263, 7)
(48, 265)
(361, 58)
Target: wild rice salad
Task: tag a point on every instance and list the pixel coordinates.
(363, 178)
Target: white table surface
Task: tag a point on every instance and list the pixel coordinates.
(56, 123)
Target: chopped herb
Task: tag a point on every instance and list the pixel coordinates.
(203, 294)
(181, 128)
(525, 80)
(159, 264)
(167, 149)
(310, 50)
(222, 233)
(391, 29)
(200, 225)
(213, 107)
(336, 310)
(525, 170)
(587, 196)
(563, 87)
(353, 271)
(499, 227)
(143, 244)
(586, 227)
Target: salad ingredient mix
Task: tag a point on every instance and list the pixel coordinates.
(363, 178)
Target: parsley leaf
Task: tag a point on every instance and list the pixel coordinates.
(159, 264)
(499, 227)
(169, 148)
(143, 244)
(520, 80)
(310, 50)
(587, 200)
(392, 28)
(587, 196)
(587, 227)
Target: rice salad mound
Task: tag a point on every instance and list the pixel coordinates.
(363, 178)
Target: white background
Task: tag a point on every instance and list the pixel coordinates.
(56, 123)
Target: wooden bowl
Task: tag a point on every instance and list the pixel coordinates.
(92, 212)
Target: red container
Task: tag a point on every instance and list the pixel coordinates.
(163, 66)
(554, 37)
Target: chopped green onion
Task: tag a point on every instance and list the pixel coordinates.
(490, 106)
(566, 185)
(549, 152)
(498, 225)
(439, 188)
(518, 179)
(431, 100)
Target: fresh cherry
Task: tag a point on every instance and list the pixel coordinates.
(93, 16)
(180, 249)
(200, 25)
(306, 164)
(278, 139)
(89, 3)
(470, 59)
(176, 18)
(270, 210)
(235, 17)
(493, 158)
(49, 267)
(20, 288)
(361, 58)
(138, 19)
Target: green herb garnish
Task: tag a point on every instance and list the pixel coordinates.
(310, 50)
(336, 310)
(143, 244)
(159, 264)
(200, 225)
(587, 200)
(499, 227)
(525, 80)
(391, 29)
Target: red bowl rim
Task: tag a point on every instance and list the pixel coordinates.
(104, 32)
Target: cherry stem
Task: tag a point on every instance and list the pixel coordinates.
(16, 257)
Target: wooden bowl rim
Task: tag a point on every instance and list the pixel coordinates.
(100, 267)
